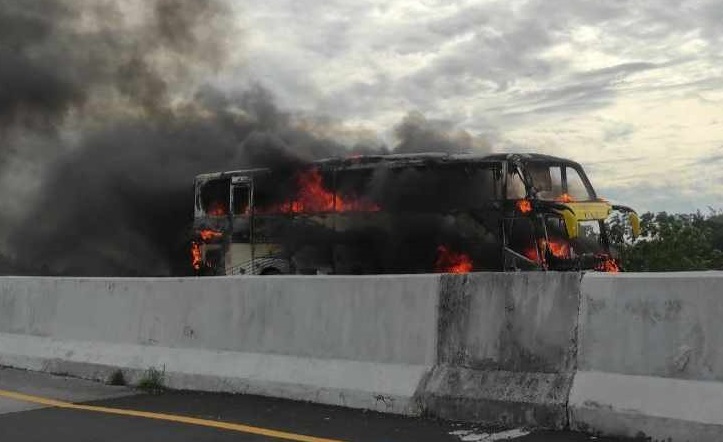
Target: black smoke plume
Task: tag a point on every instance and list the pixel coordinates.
(106, 116)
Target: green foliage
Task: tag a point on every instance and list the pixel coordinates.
(153, 381)
(670, 242)
(716, 224)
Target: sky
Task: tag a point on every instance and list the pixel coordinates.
(633, 90)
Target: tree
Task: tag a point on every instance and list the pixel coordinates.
(716, 225)
(670, 242)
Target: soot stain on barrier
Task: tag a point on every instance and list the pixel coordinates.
(519, 358)
(654, 312)
(595, 305)
(513, 355)
(454, 306)
(644, 310)
(516, 351)
(673, 309)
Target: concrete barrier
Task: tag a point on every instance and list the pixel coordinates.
(506, 349)
(628, 354)
(356, 341)
(495, 348)
(650, 356)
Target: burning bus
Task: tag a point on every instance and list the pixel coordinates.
(402, 214)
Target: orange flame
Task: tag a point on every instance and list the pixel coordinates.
(208, 234)
(607, 264)
(216, 208)
(312, 196)
(565, 198)
(196, 256)
(452, 262)
(559, 248)
(531, 253)
(524, 206)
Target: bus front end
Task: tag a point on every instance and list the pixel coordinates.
(581, 225)
(566, 221)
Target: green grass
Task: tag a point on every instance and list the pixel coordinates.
(153, 381)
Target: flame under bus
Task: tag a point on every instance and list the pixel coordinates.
(402, 214)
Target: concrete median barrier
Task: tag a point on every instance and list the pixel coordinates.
(506, 348)
(627, 354)
(650, 358)
(496, 348)
(355, 341)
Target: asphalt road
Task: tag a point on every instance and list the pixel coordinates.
(40, 407)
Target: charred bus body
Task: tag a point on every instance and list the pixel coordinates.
(402, 214)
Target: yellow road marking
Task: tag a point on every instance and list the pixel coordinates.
(165, 417)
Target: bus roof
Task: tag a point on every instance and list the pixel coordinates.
(393, 159)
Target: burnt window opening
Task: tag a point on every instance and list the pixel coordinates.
(354, 183)
(436, 188)
(315, 193)
(270, 191)
(215, 195)
(555, 227)
(291, 192)
(521, 237)
(241, 200)
(515, 185)
(356, 189)
(557, 242)
(441, 188)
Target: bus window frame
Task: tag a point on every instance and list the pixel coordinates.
(241, 181)
(580, 173)
(203, 211)
(563, 165)
(583, 177)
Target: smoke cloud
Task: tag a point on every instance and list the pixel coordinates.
(417, 134)
(106, 115)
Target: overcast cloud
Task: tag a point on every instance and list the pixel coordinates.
(631, 89)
